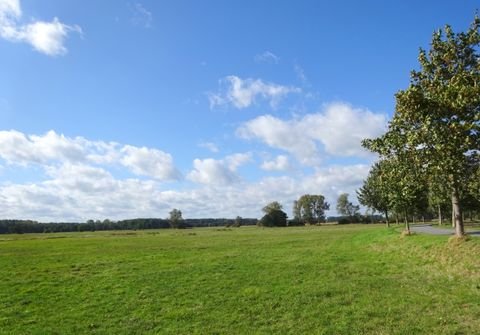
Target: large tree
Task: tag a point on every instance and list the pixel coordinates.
(310, 208)
(437, 118)
(274, 216)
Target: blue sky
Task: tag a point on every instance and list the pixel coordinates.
(121, 109)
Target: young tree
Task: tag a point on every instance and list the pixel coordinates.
(374, 192)
(345, 207)
(175, 218)
(436, 121)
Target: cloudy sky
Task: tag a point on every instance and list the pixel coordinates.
(123, 109)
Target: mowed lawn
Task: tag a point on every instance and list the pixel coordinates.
(353, 279)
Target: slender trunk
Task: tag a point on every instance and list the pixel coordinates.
(423, 218)
(440, 222)
(457, 210)
(396, 219)
(453, 215)
(386, 219)
(407, 225)
(413, 219)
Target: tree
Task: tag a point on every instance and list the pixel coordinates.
(374, 191)
(436, 121)
(274, 216)
(310, 208)
(175, 218)
(275, 205)
(345, 207)
(238, 221)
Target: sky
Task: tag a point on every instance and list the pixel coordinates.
(125, 109)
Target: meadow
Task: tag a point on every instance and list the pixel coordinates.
(352, 279)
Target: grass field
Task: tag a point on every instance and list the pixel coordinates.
(308, 280)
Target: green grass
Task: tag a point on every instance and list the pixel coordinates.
(308, 280)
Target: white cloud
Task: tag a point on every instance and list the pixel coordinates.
(141, 16)
(242, 93)
(236, 160)
(267, 57)
(45, 37)
(149, 162)
(9, 9)
(285, 135)
(280, 163)
(210, 146)
(17, 148)
(339, 129)
(54, 149)
(78, 191)
(218, 172)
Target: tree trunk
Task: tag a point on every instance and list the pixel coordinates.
(440, 222)
(386, 219)
(423, 219)
(396, 219)
(457, 214)
(407, 225)
(453, 215)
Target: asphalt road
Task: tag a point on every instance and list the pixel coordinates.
(428, 229)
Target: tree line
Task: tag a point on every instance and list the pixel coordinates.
(30, 226)
(430, 154)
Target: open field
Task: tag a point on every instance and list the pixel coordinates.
(308, 280)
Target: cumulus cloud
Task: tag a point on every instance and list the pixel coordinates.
(218, 171)
(280, 134)
(149, 162)
(247, 198)
(280, 163)
(77, 192)
(267, 57)
(242, 93)
(18, 148)
(80, 183)
(45, 37)
(338, 129)
(54, 149)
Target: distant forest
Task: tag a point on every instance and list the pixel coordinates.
(29, 226)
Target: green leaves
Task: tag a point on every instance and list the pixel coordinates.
(433, 139)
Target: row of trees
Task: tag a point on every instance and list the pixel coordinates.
(29, 226)
(309, 209)
(429, 156)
